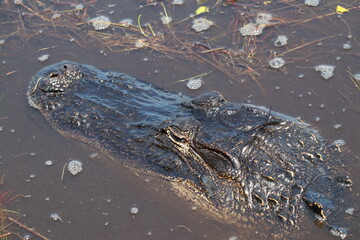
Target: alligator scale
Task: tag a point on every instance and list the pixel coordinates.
(240, 160)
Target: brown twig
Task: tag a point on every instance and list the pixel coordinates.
(5, 235)
(27, 228)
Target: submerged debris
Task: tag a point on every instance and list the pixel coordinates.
(75, 167)
(100, 22)
(277, 62)
(326, 71)
(280, 41)
(201, 24)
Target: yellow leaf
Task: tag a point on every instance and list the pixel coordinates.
(340, 9)
(267, 2)
(201, 10)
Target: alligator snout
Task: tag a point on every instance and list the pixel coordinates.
(56, 78)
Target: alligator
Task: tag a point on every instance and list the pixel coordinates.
(240, 160)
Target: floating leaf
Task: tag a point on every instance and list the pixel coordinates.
(267, 2)
(340, 9)
(201, 10)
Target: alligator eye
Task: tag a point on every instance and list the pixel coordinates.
(176, 138)
(217, 161)
(53, 74)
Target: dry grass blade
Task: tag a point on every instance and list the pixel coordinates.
(246, 57)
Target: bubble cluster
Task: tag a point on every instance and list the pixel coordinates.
(134, 210)
(255, 29)
(338, 142)
(56, 16)
(100, 22)
(75, 167)
(201, 24)
(48, 163)
(194, 84)
(43, 58)
(339, 232)
(55, 217)
(178, 2)
(277, 62)
(357, 77)
(166, 20)
(326, 71)
(126, 22)
(139, 43)
(312, 3)
(263, 18)
(346, 46)
(280, 41)
(350, 211)
(251, 29)
(79, 6)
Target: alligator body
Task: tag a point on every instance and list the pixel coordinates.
(244, 161)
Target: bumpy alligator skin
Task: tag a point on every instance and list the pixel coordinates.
(242, 161)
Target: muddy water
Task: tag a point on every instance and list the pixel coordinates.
(96, 203)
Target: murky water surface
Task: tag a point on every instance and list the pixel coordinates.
(96, 204)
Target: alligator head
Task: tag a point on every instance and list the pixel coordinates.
(241, 159)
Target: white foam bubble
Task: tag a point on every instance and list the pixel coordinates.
(178, 2)
(75, 167)
(194, 84)
(251, 29)
(43, 58)
(277, 62)
(263, 18)
(201, 24)
(280, 41)
(100, 22)
(126, 22)
(312, 3)
(166, 20)
(326, 71)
